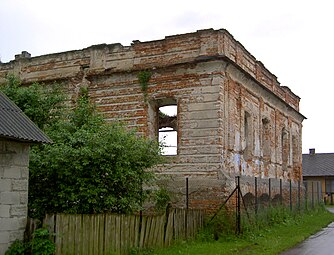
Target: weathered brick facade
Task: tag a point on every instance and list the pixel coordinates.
(233, 117)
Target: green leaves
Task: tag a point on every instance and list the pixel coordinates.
(143, 78)
(92, 166)
(39, 245)
(42, 104)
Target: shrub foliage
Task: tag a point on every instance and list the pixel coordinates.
(39, 245)
(92, 166)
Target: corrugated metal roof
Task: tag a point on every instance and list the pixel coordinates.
(318, 164)
(14, 124)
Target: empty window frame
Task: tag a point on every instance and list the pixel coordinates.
(266, 139)
(295, 150)
(329, 184)
(167, 128)
(295, 156)
(285, 149)
(248, 136)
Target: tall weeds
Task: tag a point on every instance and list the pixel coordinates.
(223, 226)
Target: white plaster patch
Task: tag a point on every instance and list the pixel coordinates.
(257, 145)
(237, 141)
(244, 168)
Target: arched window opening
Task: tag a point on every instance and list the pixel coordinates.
(285, 149)
(248, 136)
(266, 139)
(295, 150)
(167, 129)
(295, 157)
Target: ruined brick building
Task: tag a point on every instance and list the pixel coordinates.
(233, 117)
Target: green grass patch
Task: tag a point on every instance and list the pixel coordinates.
(276, 231)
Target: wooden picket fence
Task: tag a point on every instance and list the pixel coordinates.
(117, 234)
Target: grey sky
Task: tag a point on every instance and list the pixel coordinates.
(292, 38)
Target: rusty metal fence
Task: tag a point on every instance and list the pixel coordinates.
(252, 196)
(255, 193)
(247, 196)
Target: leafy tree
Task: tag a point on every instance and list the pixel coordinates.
(43, 105)
(91, 167)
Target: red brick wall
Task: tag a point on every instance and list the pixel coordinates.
(215, 82)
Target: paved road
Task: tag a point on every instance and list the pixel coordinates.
(322, 243)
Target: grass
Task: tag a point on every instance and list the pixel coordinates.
(273, 237)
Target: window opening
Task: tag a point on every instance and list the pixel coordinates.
(285, 149)
(248, 136)
(295, 154)
(295, 157)
(266, 139)
(168, 129)
(329, 183)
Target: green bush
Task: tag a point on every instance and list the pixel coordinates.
(39, 245)
(92, 166)
(162, 198)
(17, 248)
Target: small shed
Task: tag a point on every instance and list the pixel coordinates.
(319, 167)
(17, 133)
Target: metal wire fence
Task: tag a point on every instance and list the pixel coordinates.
(254, 196)
(245, 196)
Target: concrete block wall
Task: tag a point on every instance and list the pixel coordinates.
(14, 159)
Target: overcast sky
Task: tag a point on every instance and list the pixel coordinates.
(294, 39)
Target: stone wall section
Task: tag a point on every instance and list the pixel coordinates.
(14, 159)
